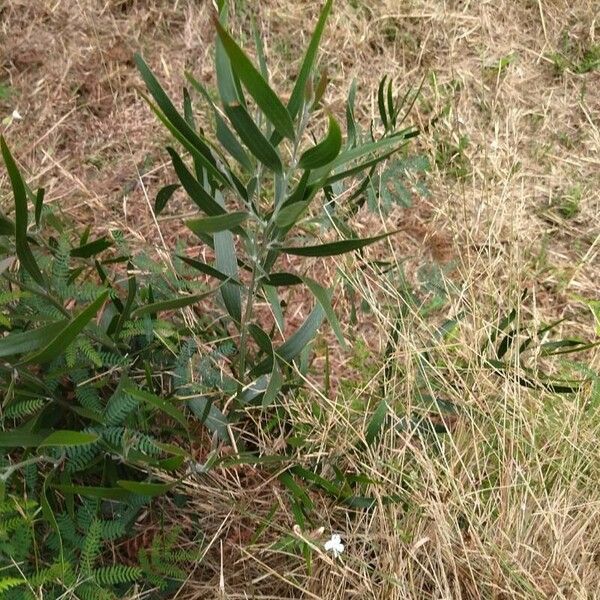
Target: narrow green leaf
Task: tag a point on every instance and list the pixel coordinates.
(20, 195)
(350, 121)
(273, 299)
(188, 110)
(334, 248)
(227, 222)
(274, 380)
(69, 332)
(324, 299)
(69, 438)
(231, 144)
(48, 512)
(390, 103)
(145, 489)
(375, 426)
(324, 152)
(131, 295)
(161, 404)
(291, 213)
(261, 338)
(192, 186)
(256, 85)
(318, 291)
(363, 166)
(229, 88)
(206, 269)
(302, 336)
(297, 491)
(39, 204)
(260, 52)
(320, 89)
(108, 493)
(91, 248)
(164, 195)
(297, 96)
(170, 112)
(351, 154)
(319, 481)
(275, 383)
(173, 304)
(20, 439)
(381, 102)
(253, 137)
(226, 262)
(199, 158)
(27, 341)
(224, 134)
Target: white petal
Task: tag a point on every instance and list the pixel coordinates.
(17, 115)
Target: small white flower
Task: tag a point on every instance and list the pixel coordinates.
(334, 545)
(15, 116)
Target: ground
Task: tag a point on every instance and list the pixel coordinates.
(510, 119)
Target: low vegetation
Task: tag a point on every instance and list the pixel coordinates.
(279, 401)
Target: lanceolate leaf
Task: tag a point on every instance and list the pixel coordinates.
(350, 121)
(224, 134)
(228, 222)
(260, 52)
(381, 102)
(20, 439)
(170, 112)
(375, 426)
(161, 404)
(174, 304)
(308, 63)
(69, 438)
(207, 270)
(231, 144)
(115, 493)
(18, 186)
(27, 341)
(318, 291)
(290, 213)
(199, 158)
(256, 85)
(39, 204)
(253, 138)
(323, 297)
(275, 383)
(163, 196)
(324, 152)
(229, 89)
(299, 340)
(91, 248)
(69, 332)
(192, 186)
(226, 262)
(334, 248)
(145, 489)
(359, 152)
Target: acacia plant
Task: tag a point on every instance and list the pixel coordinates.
(256, 183)
(101, 371)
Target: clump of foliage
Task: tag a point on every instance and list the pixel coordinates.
(107, 358)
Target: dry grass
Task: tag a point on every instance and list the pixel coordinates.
(507, 504)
